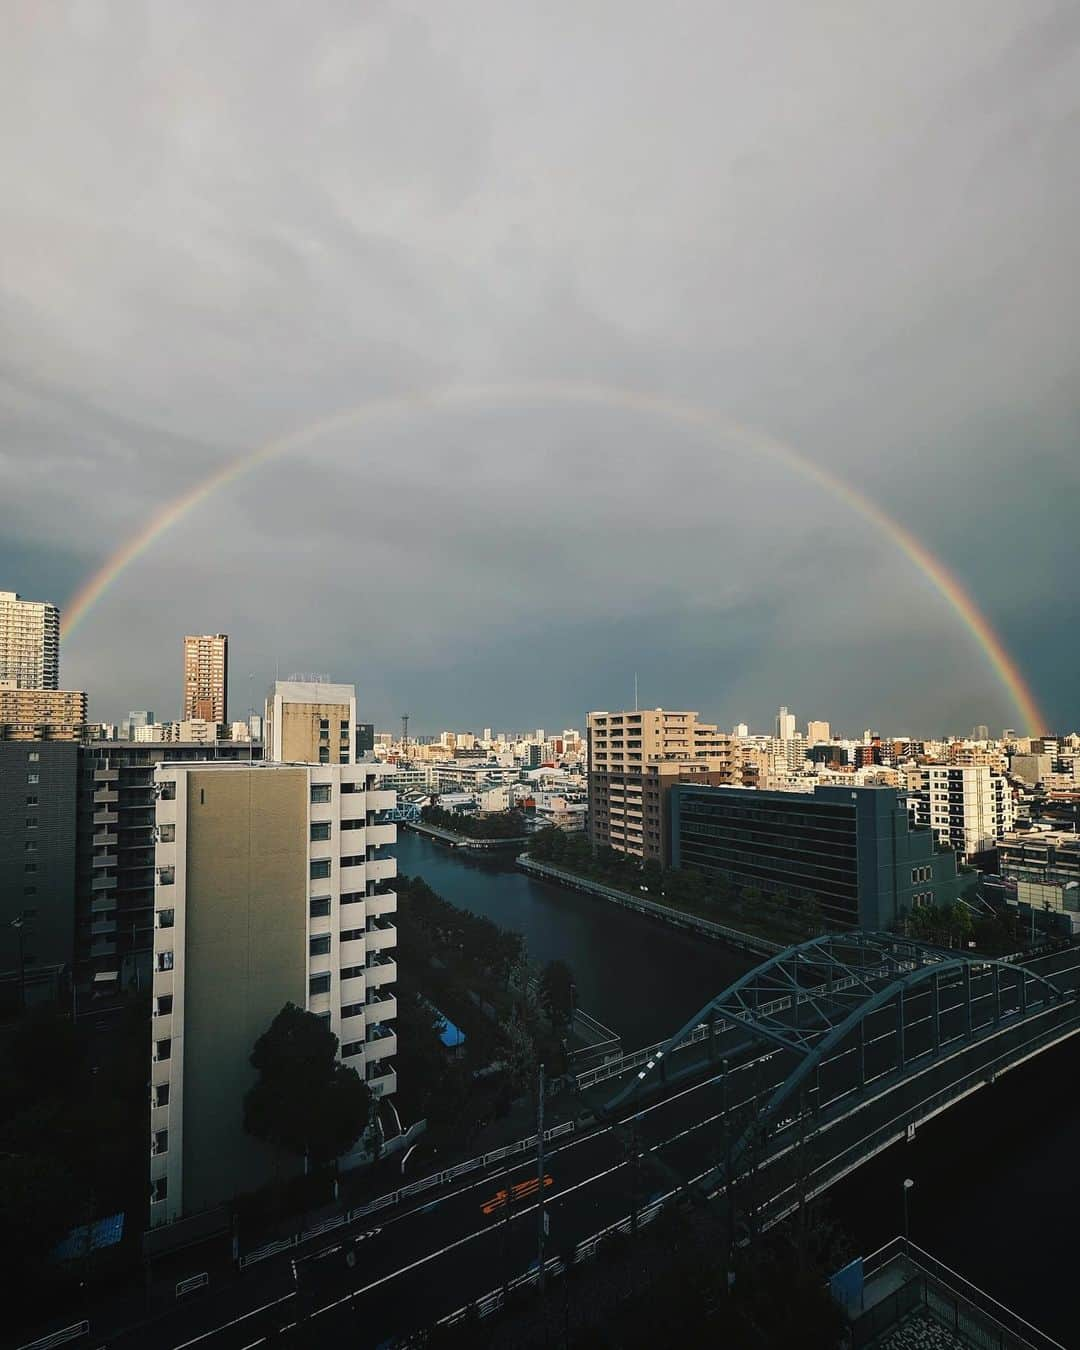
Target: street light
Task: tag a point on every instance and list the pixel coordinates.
(908, 1183)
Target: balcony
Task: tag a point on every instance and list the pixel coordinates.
(355, 952)
(381, 835)
(104, 796)
(381, 969)
(103, 928)
(381, 934)
(103, 860)
(381, 869)
(104, 840)
(105, 817)
(381, 1078)
(381, 1042)
(380, 904)
(381, 799)
(106, 775)
(354, 990)
(104, 883)
(381, 1005)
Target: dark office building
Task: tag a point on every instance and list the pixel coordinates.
(114, 872)
(37, 867)
(853, 849)
(365, 739)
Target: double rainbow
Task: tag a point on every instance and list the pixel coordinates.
(562, 393)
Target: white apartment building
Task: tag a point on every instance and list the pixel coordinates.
(29, 642)
(272, 886)
(968, 807)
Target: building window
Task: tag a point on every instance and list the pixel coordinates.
(163, 1049)
(320, 829)
(167, 834)
(351, 1049)
(165, 961)
(351, 972)
(353, 1010)
(319, 984)
(167, 791)
(355, 860)
(161, 1142)
(352, 897)
(320, 792)
(161, 1094)
(32, 757)
(159, 1190)
(319, 869)
(31, 800)
(30, 890)
(164, 1005)
(324, 1018)
(165, 918)
(30, 867)
(319, 907)
(319, 945)
(32, 778)
(324, 754)
(30, 846)
(31, 822)
(352, 935)
(352, 824)
(344, 727)
(324, 724)
(166, 876)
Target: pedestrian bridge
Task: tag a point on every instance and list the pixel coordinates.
(858, 1037)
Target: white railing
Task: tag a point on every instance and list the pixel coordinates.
(71, 1333)
(192, 1283)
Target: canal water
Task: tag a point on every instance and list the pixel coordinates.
(997, 1178)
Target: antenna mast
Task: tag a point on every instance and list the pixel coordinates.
(404, 736)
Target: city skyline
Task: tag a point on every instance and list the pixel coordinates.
(855, 284)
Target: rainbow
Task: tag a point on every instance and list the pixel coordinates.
(688, 415)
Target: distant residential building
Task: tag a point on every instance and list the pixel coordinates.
(206, 678)
(969, 806)
(1044, 865)
(29, 642)
(818, 732)
(142, 718)
(853, 850)
(365, 739)
(785, 725)
(310, 722)
(1030, 768)
(37, 868)
(41, 714)
(627, 747)
(273, 885)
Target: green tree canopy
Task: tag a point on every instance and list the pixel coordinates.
(557, 993)
(305, 1101)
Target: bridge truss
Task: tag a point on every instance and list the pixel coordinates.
(846, 1010)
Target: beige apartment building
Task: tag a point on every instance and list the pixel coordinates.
(41, 714)
(635, 758)
(29, 642)
(206, 678)
(310, 722)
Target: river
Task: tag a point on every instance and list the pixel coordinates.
(997, 1187)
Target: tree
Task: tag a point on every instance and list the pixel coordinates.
(305, 1101)
(557, 994)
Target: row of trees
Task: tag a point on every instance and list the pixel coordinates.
(793, 914)
(495, 825)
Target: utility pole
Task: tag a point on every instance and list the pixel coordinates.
(541, 1213)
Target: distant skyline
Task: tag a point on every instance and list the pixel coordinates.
(860, 236)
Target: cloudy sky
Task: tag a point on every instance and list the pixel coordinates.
(851, 226)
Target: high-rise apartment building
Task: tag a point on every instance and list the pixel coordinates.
(37, 869)
(785, 725)
(633, 762)
(968, 807)
(310, 722)
(41, 714)
(29, 642)
(273, 885)
(206, 678)
(817, 733)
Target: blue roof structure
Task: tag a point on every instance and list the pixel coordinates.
(103, 1233)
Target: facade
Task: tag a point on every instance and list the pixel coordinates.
(114, 856)
(785, 725)
(852, 849)
(29, 642)
(1045, 866)
(365, 739)
(273, 885)
(37, 867)
(968, 807)
(309, 722)
(818, 732)
(622, 746)
(41, 714)
(206, 678)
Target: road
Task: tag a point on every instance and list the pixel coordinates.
(413, 1266)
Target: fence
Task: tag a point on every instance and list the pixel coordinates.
(71, 1333)
(522, 1146)
(192, 1283)
(949, 1298)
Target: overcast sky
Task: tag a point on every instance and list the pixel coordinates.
(853, 226)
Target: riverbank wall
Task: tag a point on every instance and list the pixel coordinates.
(454, 840)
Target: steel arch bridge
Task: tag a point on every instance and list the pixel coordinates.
(854, 1009)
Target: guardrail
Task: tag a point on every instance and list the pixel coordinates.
(522, 1146)
(192, 1283)
(70, 1333)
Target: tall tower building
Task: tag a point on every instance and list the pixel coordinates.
(29, 642)
(785, 725)
(206, 678)
(274, 884)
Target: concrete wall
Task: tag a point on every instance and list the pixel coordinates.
(245, 956)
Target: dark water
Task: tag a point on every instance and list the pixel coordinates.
(997, 1178)
(640, 977)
